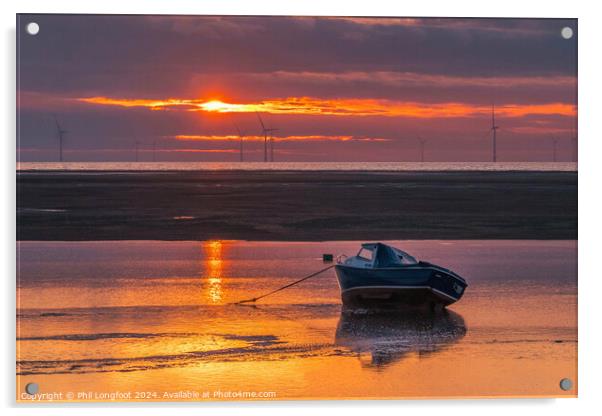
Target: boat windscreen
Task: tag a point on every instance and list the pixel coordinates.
(366, 253)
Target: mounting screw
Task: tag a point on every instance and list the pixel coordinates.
(566, 32)
(32, 28)
(566, 384)
(32, 388)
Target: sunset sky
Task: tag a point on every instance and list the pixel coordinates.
(337, 89)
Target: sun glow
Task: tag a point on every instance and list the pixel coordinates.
(221, 107)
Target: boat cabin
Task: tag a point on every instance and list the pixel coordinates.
(379, 255)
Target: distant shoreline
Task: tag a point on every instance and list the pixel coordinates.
(296, 206)
(90, 171)
(155, 167)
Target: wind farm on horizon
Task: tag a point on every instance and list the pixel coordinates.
(268, 135)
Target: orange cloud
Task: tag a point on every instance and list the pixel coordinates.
(121, 150)
(342, 107)
(380, 21)
(199, 150)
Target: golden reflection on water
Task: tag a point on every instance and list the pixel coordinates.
(214, 264)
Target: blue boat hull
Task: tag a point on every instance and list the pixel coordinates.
(423, 285)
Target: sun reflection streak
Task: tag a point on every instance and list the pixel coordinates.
(214, 267)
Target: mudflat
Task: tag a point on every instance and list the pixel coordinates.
(295, 205)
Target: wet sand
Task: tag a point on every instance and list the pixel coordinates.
(155, 318)
(295, 206)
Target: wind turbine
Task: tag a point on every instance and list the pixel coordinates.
(574, 144)
(61, 134)
(272, 144)
(422, 142)
(494, 129)
(154, 150)
(137, 145)
(265, 132)
(241, 136)
(555, 143)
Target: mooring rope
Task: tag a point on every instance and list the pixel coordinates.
(283, 287)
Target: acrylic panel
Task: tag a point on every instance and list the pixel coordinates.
(220, 208)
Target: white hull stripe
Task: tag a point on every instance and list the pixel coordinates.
(400, 288)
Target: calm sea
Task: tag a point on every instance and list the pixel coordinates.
(307, 166)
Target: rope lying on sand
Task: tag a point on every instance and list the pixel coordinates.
(283, 287)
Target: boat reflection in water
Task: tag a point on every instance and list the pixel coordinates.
(384, 337)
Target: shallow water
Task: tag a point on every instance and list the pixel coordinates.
(155, 318)
(303, 166)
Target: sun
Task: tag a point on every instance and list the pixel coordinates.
(219, 106)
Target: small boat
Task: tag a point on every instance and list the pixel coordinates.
(384, 276)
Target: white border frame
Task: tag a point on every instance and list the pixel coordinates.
(590, 152)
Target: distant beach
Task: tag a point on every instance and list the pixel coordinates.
(298, 166)
(302, 205)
